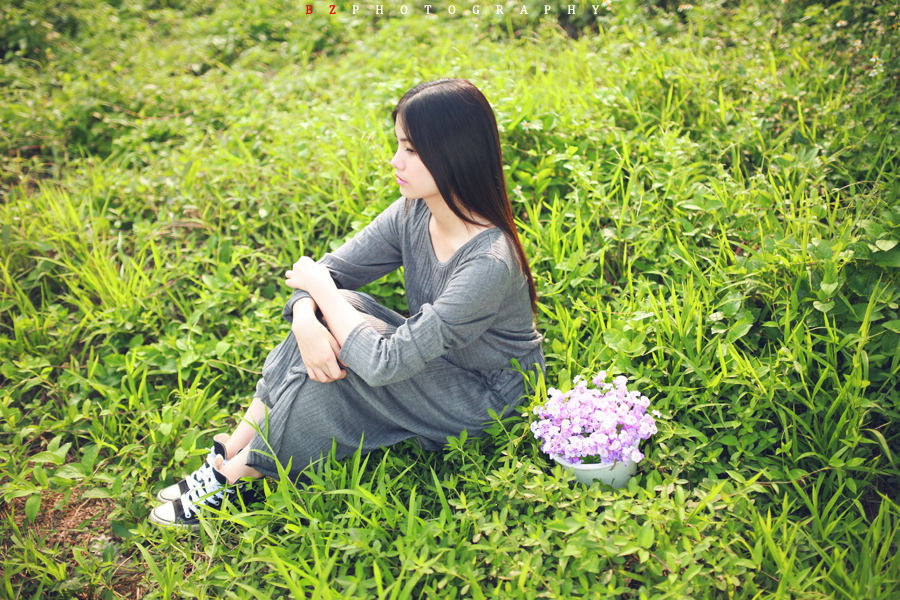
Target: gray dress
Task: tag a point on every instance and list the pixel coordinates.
(427, 377)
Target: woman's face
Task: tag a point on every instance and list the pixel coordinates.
(413, 178)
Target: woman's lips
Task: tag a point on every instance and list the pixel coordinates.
(400, 181)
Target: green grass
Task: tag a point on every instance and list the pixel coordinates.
(709, 199)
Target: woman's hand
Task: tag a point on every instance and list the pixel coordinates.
(309, 276)
(319, 350)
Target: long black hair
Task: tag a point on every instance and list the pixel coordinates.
(452, 127)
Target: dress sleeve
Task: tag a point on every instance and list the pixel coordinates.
(372, 253)
(466, 308)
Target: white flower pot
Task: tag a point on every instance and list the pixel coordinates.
(617, 474)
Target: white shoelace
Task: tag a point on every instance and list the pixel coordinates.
(201, 475)
(208, 490)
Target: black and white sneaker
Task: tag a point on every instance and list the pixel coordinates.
(176, 490)
(212, 493)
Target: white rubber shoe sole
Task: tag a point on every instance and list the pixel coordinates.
(164, 516)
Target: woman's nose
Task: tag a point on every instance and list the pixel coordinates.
(395, 161)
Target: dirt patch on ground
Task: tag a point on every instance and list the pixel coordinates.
(62, 526)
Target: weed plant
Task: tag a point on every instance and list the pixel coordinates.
(708, 195)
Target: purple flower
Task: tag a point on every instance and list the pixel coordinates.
(606, 422)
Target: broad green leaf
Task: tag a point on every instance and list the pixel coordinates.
(888, 259)
(823, 306)
(38, 474)
(120, 530)
(32, 506)
(45, 457)
(892, 325)
(70, 471)
(829, 288)
(885, 245)
(646, 536)
(629, 548)
(90, 453)
(221, 348)
(737, 332)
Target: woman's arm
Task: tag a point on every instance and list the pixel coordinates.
(341, 317)
(370, 254)
(318, 348)
(305, 308)
(470, 303)
(316, 280)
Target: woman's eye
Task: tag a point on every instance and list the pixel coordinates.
(411, 151)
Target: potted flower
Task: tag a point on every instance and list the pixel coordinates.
(595, 432)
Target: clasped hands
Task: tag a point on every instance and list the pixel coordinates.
(318, 348)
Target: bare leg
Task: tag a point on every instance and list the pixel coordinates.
(245, 431)
(237, 467)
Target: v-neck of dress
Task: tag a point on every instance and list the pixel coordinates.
(453, 257)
